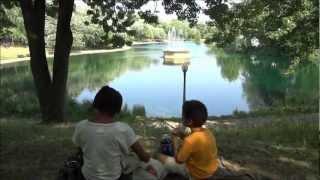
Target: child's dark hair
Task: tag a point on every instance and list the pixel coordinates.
(196, 111)
(108, 100)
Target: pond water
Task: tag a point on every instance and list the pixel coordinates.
(224, 82)
(159, 87)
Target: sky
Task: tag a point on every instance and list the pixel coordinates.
(152, 5)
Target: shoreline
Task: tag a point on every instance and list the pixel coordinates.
(77, 53)
(82, 52)
(147, 42)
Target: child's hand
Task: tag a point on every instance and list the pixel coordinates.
(151, 170)
(178, 132)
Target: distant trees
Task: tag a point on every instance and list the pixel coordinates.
(4, 16)
(85, 36)
(143, 31)
(12, 27)
(90, 36)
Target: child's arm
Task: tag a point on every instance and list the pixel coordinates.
(175, 144)
(184, 152)
(143, 156)
(139, 150)
(178, 134)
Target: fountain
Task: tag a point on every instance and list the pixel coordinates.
(175, 53)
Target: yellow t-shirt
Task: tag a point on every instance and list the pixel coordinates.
(199, 152)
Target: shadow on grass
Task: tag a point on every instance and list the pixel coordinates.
(278, 148)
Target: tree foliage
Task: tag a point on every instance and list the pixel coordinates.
(115, 17)
(184, 9)
(15, 32)
(143, 31)
(85, 36)
(5, 17)
(289, 25)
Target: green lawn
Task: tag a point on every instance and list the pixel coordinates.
(278, 148)
(13, 52)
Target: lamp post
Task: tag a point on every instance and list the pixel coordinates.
(184, 70)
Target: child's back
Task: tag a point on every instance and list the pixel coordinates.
(199, 151)
(106, 143)
(104, 146)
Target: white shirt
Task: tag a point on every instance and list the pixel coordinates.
(105, 147)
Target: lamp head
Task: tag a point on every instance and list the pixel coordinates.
(185, 67)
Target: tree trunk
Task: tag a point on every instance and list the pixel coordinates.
(61, 58)
(34, 16)
(51, 92)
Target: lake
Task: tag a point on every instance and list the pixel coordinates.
(223, 82)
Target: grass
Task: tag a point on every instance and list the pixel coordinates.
(33, 151)
(281, 147)
(278, 148)
(13, 52)
(278, 131)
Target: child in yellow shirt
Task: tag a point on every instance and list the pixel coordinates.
(197, 157)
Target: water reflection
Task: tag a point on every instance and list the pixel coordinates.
(266, 82)
(160, 86)
(90, 72)
(86, 95)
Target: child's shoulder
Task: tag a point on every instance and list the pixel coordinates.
(122, 126)
(81, 123)
(196, 136)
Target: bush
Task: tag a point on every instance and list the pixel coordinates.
(129, 43)
(118, 41)
(139, 110)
